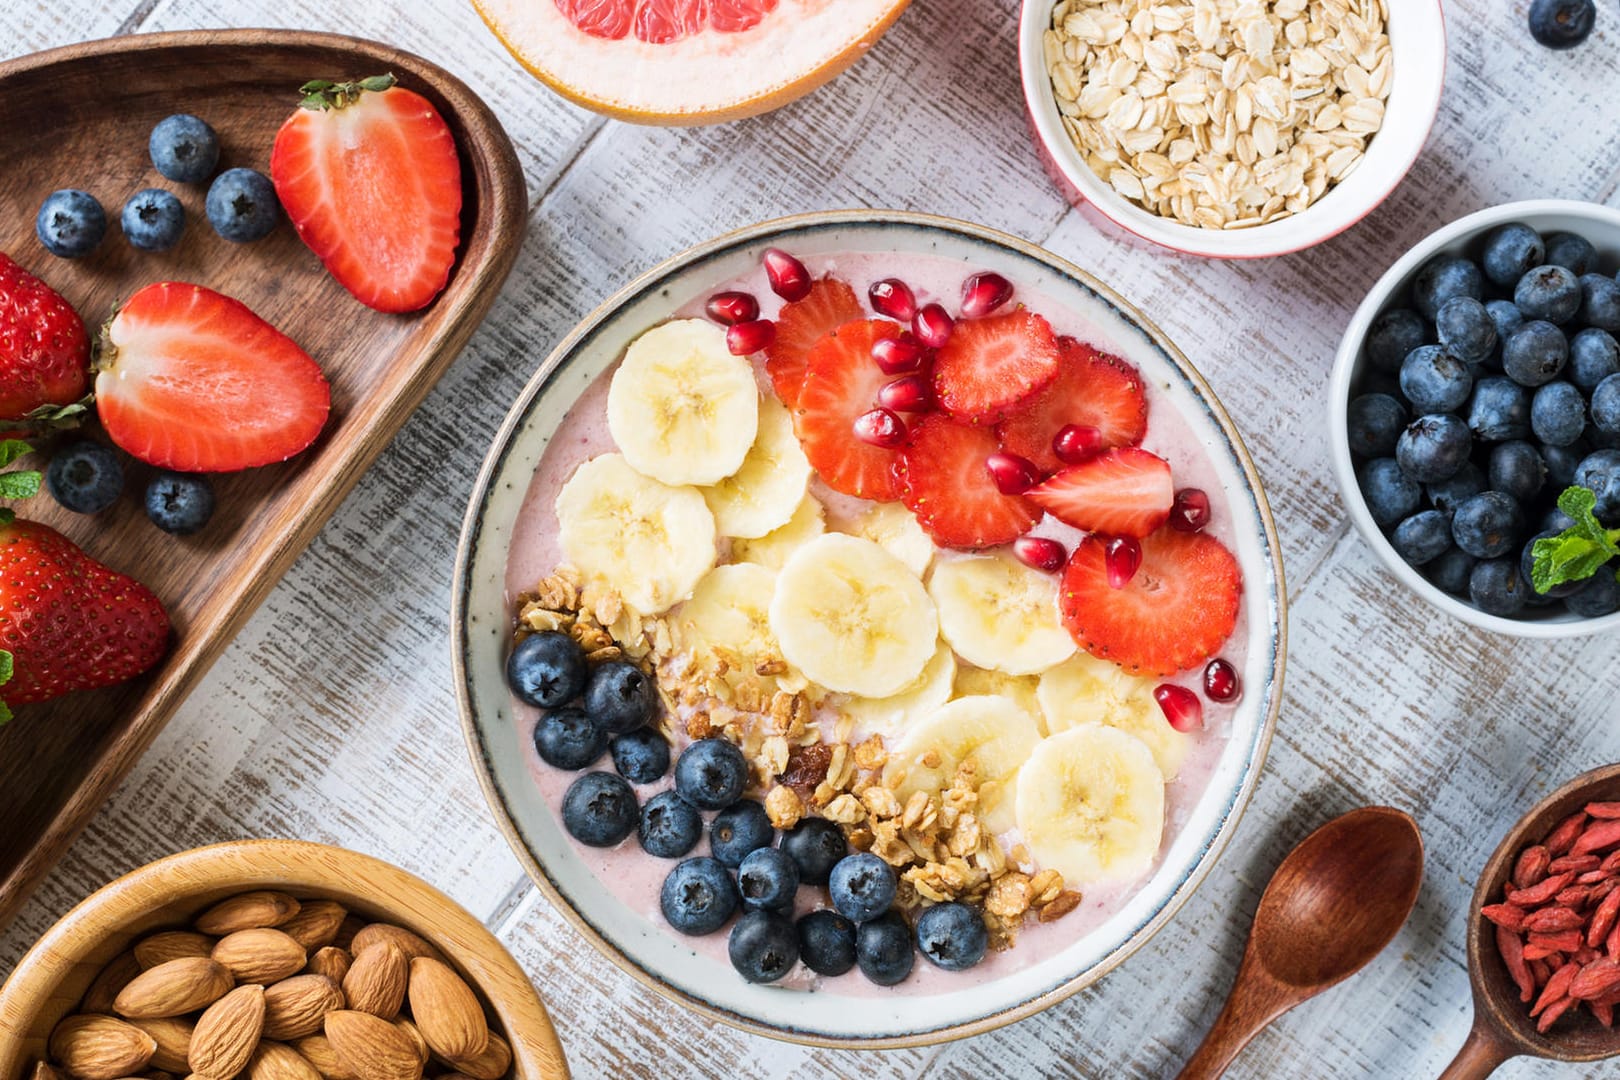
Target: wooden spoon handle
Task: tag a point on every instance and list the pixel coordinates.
(1250, 1008)
(1479, 1056)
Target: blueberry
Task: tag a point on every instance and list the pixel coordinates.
(1466, 329)
(242, 205)
(1446, 495)
(1552, 293)
(1496, 587)
(883, 949)
(1506, 317)
(768, 879)
(567, 738)
(179, 503)
(1600, 302)
(1599, 595)
(698, 896)
(1574, 253)
(1375, 422)
(815, 845)
(1594, 355)
(640, 756)
(1555, 521)
(1450, 571)
(152, 220)
(669, 826)
(763, 946)
(1535, 354)
(620, 696)
(827, 942)
(1600, 471)
(1442, 278)
(70, 223)
(1488, 525)
(1527, 560)
(599, 809)
(1423, 537)
(1433, 447)
(862, 886)
(1517, 470)
(1606, 406)
(546, 670)
(1561, 462)
(711, 773)
(1558, 414)
(1392, 335)
(1499, 409)
(85, 477)
(1435, 380)
(1511, 251)
(952, 936)
(739, 829)
(184, 149)
(1391, 495)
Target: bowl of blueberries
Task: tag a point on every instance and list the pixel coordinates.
(1476, 419)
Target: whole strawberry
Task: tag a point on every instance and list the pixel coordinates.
(44, 349)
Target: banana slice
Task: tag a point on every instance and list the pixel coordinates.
(773, 550)
(992, 732)
(728, 619)
(647, 541)
(764, 493)
(894, 529)
(681, 408)
(998, 613)
(852, 617)
(1086, 690)
(1090, 805)
(1020, 688)
(893, 715)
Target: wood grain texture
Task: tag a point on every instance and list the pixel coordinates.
(331, 715)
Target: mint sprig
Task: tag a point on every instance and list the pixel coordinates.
(1580, 550)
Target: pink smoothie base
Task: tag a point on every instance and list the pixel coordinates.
(635, 877)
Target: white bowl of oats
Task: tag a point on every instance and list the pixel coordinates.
(1233, 129)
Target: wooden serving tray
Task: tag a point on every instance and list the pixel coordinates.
(79, 117)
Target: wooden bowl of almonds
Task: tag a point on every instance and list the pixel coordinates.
(272, 960)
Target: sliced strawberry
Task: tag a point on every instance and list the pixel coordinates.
(189, 379)
(44, 349)
(1124, 492)
(1175, 613)
(799, 326)
(1092, 389)
(840, 384)
(945, 482)
(369, 176)
(990, 365)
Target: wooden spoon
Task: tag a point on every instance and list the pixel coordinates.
(1333, 904)
(1502, 1025)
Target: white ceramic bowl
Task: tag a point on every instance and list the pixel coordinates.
(1600, 225)
(1417, 38)
(637, 940)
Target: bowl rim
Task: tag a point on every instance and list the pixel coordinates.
(1053, 143)
(461, 636)
(1347, 367)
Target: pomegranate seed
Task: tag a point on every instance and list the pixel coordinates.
(789, 279)
(1190, 511)
(983, 293)
(1040, 553)
(750, 337)
(898, 355)
(910, 394)
(1180, 706)
(1221, 681)
(880, 427)
(1123, 557)
(893, 297)
(731, 308)
(1075, 443)
(933, 326)
(1013, 475)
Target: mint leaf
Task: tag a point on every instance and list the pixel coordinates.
(11, 450)
(6, 669)
(1580, 550)
(19, 485)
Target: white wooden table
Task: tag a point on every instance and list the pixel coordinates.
(332, 716)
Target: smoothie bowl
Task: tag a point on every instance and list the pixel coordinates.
(907, 545)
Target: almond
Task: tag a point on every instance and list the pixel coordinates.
(172, 945)
(446, 1010)
(227, 1032)
(492, 1064)
(352, 925)
(173, 988)
(296, 1007)
(278, 1061)
(376, 982)
(101, 1047)
(316, 925)
(173, 1038)
(332, 962)
(408, 1027)
(410, 944)
(260, 955)
(109, 981)
(372, 1048)
(247, 911)
(317, 1050)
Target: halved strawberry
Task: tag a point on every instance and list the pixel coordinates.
(840, 383)
(990, 365)
(189, 379)
(945, 482)
(801, 324)
(368, 174)
(1175, 613)
(1092, 389)
(1124, 492)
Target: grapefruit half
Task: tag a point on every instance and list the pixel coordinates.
(686, 61)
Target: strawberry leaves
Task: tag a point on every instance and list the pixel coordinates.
(1580, 550)
(323, 94)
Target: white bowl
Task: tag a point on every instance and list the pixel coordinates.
(1601, 226)
(1417, 38)
(637, 940)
